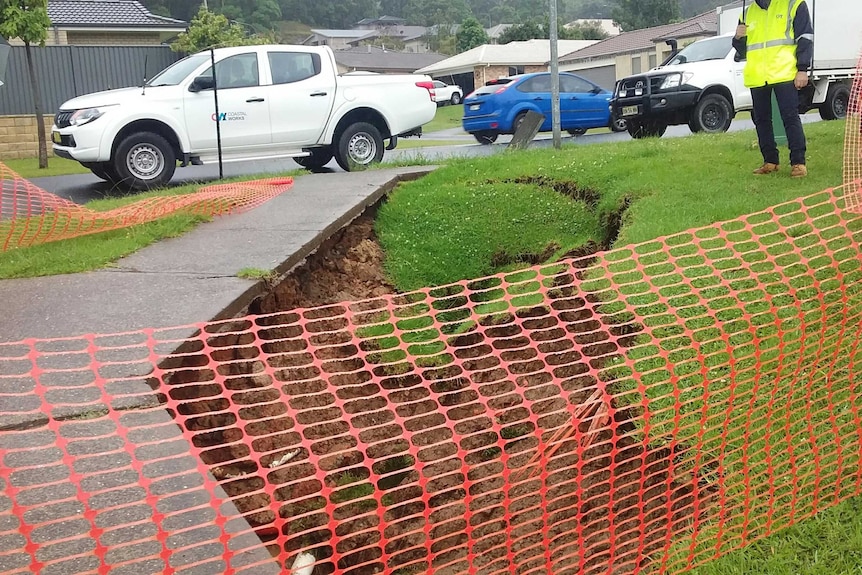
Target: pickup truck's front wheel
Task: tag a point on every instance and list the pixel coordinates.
(360, 145)
(713, 114)
(145, 161)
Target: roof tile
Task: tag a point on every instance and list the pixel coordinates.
(108, 13)
(645, 38)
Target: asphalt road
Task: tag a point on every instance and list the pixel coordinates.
(82, 188)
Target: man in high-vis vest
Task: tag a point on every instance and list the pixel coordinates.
(776, 38)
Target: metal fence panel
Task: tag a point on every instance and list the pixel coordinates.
(68, 71)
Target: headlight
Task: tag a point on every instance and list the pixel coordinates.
(81, 117)
(673, 81)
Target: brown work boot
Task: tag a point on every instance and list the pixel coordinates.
(798, 171)
(766, 168)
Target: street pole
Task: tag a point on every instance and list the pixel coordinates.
(555, 78)
(217, 114)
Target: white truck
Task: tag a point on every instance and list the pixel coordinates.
(446, 94)
(274, 101)
(702, 85)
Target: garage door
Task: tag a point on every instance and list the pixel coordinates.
(605, 76)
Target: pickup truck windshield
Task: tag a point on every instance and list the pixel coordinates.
(178, 71)
(712, 49)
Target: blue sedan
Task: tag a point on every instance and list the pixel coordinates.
(500, 106)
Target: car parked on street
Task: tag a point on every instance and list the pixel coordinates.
(446, 94)
(501, 105)
(274, 101)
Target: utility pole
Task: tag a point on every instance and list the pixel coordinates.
(207, 8)
(555, 78)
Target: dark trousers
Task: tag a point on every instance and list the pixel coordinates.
(788, 105)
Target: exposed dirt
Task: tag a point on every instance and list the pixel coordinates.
(347, 267)
(331, 442)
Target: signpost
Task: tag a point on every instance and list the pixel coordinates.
(555, 77)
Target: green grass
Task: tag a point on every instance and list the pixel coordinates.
(29, 167)
(255, 274)
(828, 544)
(91, 252)
(447, 117)
(469, 219)
(449, 225)
(95, 251)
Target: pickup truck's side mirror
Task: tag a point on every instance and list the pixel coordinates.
(202, 83)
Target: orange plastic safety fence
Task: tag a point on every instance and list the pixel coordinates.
(642, 410)
(853, 145)
(30, 215)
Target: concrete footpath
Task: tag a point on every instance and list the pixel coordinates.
(193, 278)
(174, 282)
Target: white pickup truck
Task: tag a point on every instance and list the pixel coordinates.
(274, 101)
(702, 85)
(446, 94)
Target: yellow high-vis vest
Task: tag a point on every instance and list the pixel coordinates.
(771, 53)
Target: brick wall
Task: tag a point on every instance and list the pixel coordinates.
(112, 39)
(482, 74)
(19, 139)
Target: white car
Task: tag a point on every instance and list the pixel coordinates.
(445, 94)
(274, 101)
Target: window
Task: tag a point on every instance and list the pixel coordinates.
(238, 71)
(536, 84)
(652, 61)
(439, 84)
(178, 71)
(515, 70)
(636, 64)
(574, 84)
(289, 67)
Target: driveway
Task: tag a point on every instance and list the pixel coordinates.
(82, 188)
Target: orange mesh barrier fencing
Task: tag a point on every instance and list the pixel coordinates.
(30, 215)
(853, 145)
(642, 410)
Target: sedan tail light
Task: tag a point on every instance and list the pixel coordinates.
(430, 87)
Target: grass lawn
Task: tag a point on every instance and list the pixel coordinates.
(96, 251)
(475, 217)
(447, 117)
(456, 222)
(29, 167)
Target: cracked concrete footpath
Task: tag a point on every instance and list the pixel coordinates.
(193, 278)
(174, 282)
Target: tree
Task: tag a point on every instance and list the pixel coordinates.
(209, 29)
(28, 21)
(385, 41)
(520, 32)
(637, 14)
(470, 35)
(584, 31)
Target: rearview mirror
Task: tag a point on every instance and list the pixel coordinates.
(202, 83)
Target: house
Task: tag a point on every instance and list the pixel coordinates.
(494, 32)
(413, 37)
(374, 59)
(336, 39)
(107, 22)
(491, 61)
(379, 23)
(637, 51)
(607, 25)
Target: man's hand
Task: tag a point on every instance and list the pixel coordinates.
(801, 80)
(741, 30)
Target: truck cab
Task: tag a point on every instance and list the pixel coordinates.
(701, 86)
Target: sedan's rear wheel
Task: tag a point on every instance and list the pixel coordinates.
(485, 138)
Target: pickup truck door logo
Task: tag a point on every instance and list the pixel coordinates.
(230, 116)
